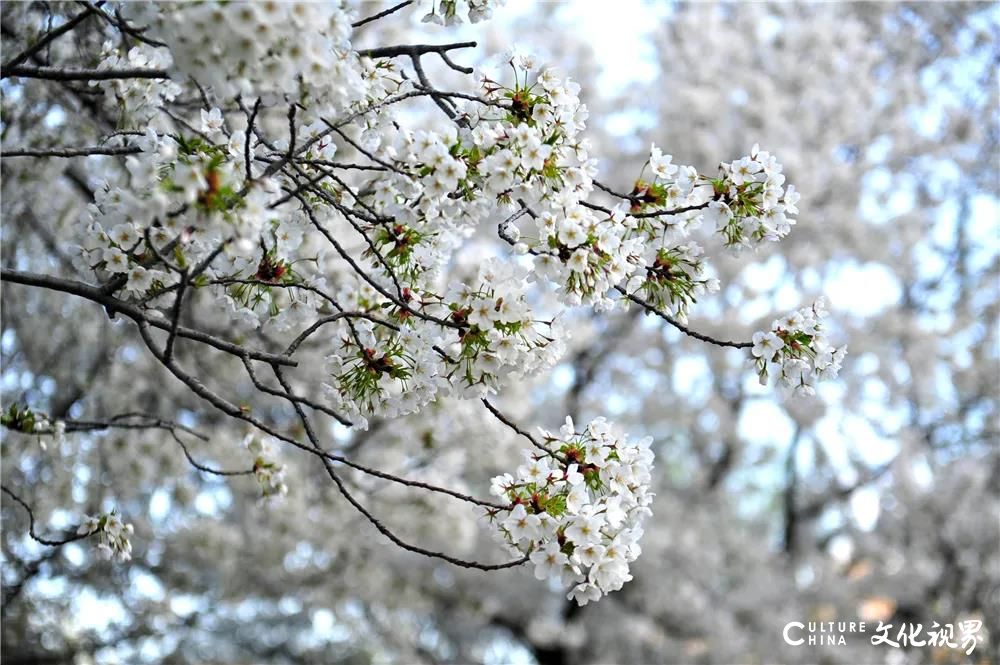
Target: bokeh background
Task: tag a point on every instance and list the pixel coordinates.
(879, 500)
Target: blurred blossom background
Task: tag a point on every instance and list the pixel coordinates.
(877, 500)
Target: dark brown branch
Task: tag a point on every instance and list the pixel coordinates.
(354, 144)
(381, 14)
(384, 530)
(646, 215)
(126, 27)
(512, 425)
(72, 152)
(414, 50)
(364, 275)
(48, 38)
(175, 316)
(62, 74)
(291, 397)
(439, 99)
(680, 326)
(413, 548)
(69, 537)
(124, 421)
(230, 409)
(248, 136)
(113, 304)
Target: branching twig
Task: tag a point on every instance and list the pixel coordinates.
(115, 305)
(680, 326)
(414, 50)
(68, 538)
(385, 531)
(47, 39)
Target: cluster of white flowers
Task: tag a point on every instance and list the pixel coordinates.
(502, 338)
(798, 345)
(138, 100)
(381, 371)
(672, 186)
(585, 254)
(577, 511)
(113, 535)
(186, 193)
(534, 155)
(409, 320)
(526, 148)
(270, 474)
(269, 49)
(491, 336)
(590, 253)
(522, 145)
(450, 12)
(750, 204)
(674, 279)
(644, 241)
(534, 151)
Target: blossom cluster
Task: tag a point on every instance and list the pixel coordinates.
(113, 535)
(264, 49)
(536, 156)
(269, 473)
(798, 345)
(450, 12)
(751, 205)
(184, 197)
(577, 511)
(521, 143)
(533, 155)
(381, 371)
(138, 100)
(481, 334)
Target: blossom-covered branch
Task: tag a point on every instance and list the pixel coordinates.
(266, 168)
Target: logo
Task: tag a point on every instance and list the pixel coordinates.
(820, 633)
(836, 633)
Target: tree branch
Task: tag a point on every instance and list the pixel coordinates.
(113, 304)
(680, 326)
(63, 74)
(68, 538)
(47, 39)
(381, 14)
(72, 152)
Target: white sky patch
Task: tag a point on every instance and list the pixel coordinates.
(619, 32)
(765, 422)
(862, 290)
(865, 507)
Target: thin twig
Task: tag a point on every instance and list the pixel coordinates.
(48, 38)
(69, 538)
(680, 326)
(381, 14)
(512, 425)
(175, 316)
